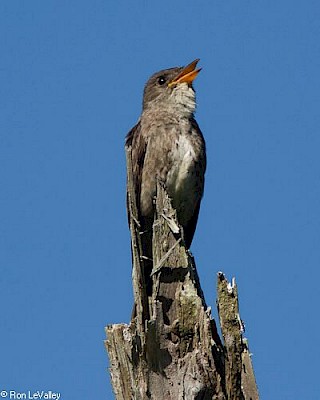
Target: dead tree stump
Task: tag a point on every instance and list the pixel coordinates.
(171, 349)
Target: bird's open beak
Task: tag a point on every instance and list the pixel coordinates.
(188, 74)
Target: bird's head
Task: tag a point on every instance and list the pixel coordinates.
(171, 89)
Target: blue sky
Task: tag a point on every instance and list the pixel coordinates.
(72, 75)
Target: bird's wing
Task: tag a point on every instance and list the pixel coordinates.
(138, 145)
(190, 228)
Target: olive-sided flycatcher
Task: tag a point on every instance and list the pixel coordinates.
(167, 144)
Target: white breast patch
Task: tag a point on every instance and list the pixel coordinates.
(183, 160)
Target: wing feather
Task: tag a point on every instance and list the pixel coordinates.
(135, 140)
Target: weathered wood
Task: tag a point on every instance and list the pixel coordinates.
(171, 348)
(249, 386)
(240, 380)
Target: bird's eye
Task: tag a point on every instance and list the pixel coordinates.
(161, 80)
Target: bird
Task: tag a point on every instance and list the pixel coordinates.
(167, 144)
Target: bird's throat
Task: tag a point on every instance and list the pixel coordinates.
(183, 100)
